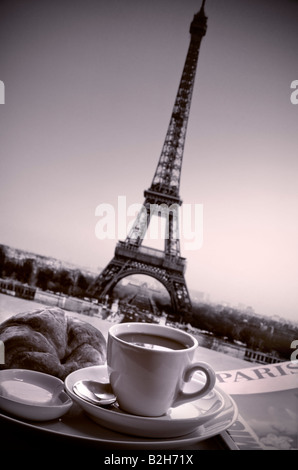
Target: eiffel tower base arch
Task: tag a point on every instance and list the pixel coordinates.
(128, 261)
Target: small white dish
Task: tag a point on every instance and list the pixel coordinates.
(179, 421)
(32, 395)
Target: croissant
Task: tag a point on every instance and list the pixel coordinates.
(47, 340)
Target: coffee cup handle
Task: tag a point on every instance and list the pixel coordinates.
(183, 397)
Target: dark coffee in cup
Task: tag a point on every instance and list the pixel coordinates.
(152, 341)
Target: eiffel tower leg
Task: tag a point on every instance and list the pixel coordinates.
(104, 282)
(182, 299)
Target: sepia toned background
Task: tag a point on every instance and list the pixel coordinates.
(89, 89)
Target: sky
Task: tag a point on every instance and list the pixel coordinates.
(89, 90)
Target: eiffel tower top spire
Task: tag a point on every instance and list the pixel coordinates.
(203, 6)
(166, 180)
(199, 23)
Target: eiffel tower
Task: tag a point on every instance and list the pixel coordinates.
(162, 199)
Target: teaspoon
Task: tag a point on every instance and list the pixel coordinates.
(95, 392)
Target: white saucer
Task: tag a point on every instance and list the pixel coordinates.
(178, 421)
(32, 395)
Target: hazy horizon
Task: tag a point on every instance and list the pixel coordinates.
(89, 90)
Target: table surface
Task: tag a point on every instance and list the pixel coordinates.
(17, 435)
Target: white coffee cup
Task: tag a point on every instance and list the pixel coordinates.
(148, 365)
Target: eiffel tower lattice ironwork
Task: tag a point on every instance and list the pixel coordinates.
(163, 199)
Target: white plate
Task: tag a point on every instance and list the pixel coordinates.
(178, 421)
(32, 395)
(77, 426)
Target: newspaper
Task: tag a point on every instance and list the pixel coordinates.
(267, 400)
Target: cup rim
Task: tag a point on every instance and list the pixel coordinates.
(172, 332)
